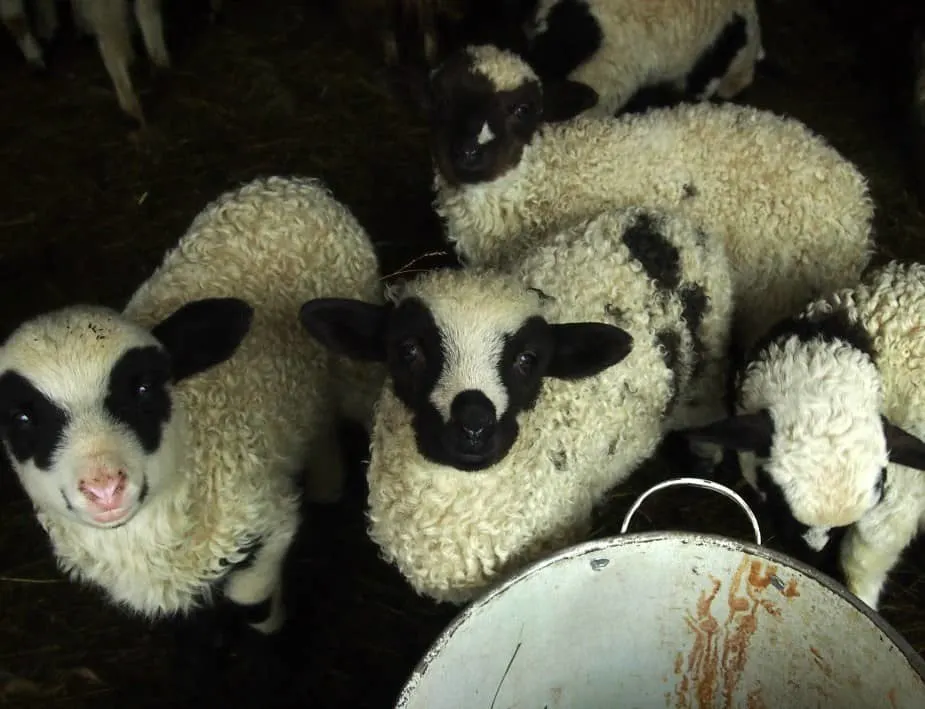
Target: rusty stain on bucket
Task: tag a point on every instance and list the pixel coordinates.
(720, 651)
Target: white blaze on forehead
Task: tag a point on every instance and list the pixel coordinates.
(474, 312)
(485, 135)
(505, 70)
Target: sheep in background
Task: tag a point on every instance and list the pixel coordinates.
(110, 22)
(518, 398)
(831, 420)
(618, 55)
(163, 446)
(795, 216)
(414, 35)
(918, 114)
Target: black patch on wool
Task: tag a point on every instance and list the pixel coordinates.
(572, 37)
(669, 343)
(716, 59)
(559, 460)
(658, 256)
(695, 303)
(830, 327)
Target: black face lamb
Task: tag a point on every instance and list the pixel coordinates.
(484, 106)
(466, 373)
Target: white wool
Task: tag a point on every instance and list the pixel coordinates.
(826, 400)
(241, 432)
(453, 533)
(795, 216)
(504, 70)
(645, 43)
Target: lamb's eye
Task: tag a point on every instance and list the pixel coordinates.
(20, 419)
(520, 110)
(525, 362)
(410, 352)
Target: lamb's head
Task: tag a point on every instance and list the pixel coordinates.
(484, 105)
(87, 413)
(811, 437)
(467, 353)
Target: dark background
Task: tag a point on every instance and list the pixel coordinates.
(88, 207)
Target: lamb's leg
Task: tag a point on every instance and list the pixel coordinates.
(148, 14)
(110, 23)
(13, 15)
(46, 19)
(256, 588)
(874, 545)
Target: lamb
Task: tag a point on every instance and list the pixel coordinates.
(110, 23)
(518, 398)
(162, 446)
(831, 420)
(610, 53)
(795, 216)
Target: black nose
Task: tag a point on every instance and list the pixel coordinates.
(468, 157)
(474, 414)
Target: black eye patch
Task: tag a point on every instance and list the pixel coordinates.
(137, 396)
(523, 385)
(31, 424)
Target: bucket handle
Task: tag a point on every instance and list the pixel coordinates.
(695, 482)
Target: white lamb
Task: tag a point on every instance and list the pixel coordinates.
(163, 446)
(795, 216)
(831, 422)
(608, 52)
(517, 399)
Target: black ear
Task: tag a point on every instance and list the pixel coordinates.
(348, 327)
(905, 449)
(585, 349)
(564, 99)
(203, 333)
(746, 432)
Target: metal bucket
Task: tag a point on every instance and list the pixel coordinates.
(668, 619)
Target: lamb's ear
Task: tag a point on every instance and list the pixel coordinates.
(905, 449)
(585, 349)
(349, 327)
(564, 99)
(203, 333)
(746, 432)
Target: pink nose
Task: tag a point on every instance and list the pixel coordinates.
(104, 489)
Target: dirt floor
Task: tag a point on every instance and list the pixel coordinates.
(87, 208)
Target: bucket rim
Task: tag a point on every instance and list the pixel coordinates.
(912, 657)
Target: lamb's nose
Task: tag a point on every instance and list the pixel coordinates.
(474, 413)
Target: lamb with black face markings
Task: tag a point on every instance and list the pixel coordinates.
(163, 446)
(831, 422)
(517, 398)
(794, 215)
(605, 56)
